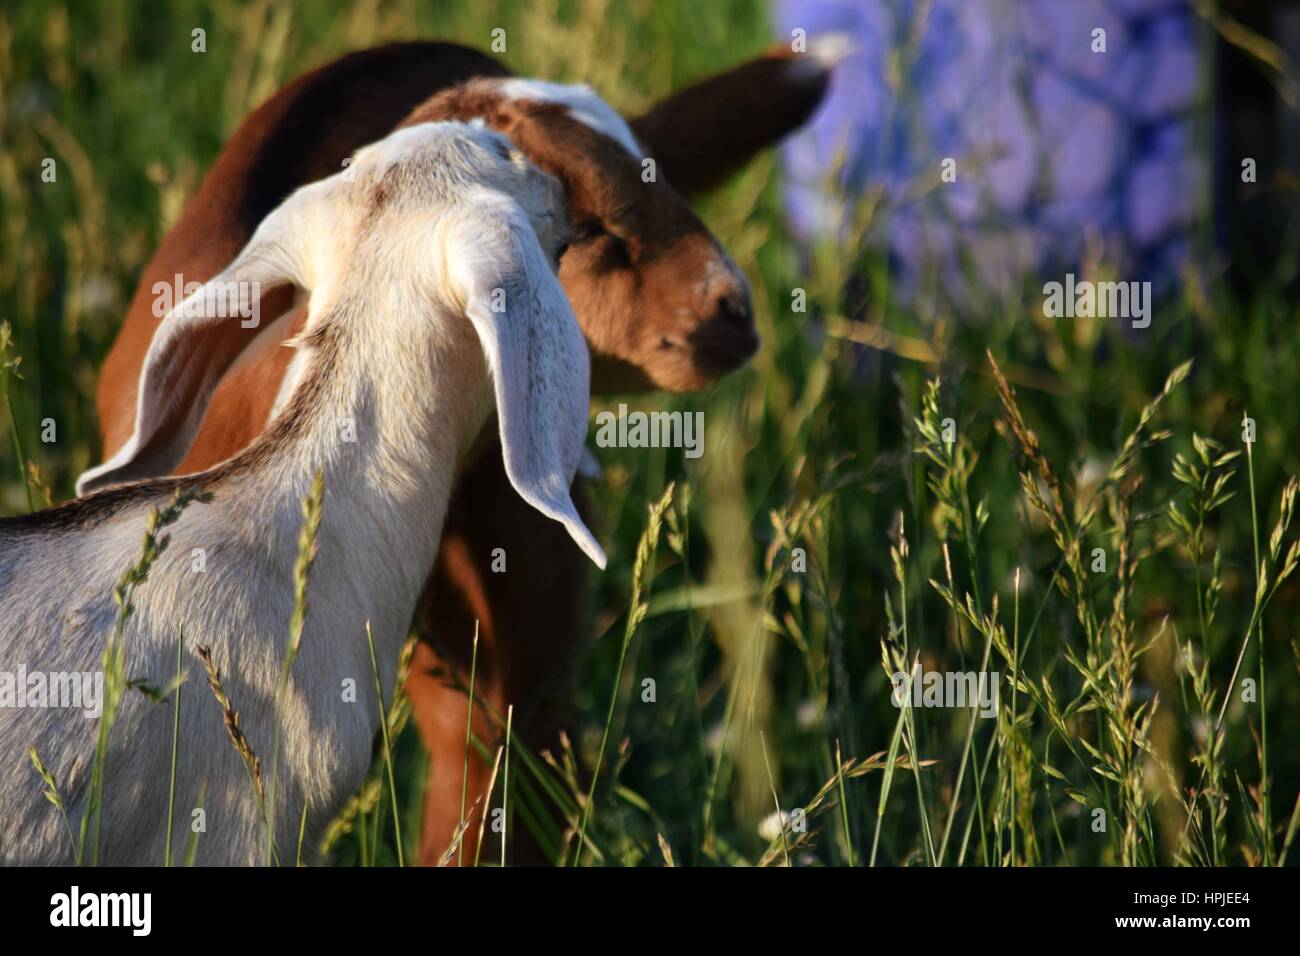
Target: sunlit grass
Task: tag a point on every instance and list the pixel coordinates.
(1125, 688)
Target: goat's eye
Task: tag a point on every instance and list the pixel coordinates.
(588, 230)
(616, 249)
(612, 249)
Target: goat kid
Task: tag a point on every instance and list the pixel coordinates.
(432, 300)
(640, 252)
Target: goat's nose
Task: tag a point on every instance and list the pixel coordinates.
(734, 308)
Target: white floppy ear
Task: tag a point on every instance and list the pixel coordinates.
(537, 358)
(199, 340)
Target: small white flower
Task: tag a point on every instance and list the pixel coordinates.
(772, 825)
(808, 715)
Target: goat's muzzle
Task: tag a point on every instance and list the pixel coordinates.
(727, 340)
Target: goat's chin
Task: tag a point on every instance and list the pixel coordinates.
(691, 367)
(615, 376)
(710, 365)
(667, 373)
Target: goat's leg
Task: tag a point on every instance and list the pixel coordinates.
(435, 689)
(530, 618)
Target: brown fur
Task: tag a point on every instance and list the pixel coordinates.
(705, 133)
(632, 236)
(627, 277)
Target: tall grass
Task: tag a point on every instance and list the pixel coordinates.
(113, 659)
(312, 509)
(1145, 700)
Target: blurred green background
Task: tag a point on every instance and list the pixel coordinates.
(765, 672)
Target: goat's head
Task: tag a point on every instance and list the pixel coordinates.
(445, 219)
(660, 302)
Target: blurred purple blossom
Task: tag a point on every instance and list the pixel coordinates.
(1055, 144)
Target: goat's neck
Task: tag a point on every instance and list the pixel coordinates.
(386, 407)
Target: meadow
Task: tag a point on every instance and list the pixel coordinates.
(884, 487)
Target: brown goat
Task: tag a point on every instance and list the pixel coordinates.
(659, 302)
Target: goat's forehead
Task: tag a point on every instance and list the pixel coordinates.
(583, 104)
(429, 141)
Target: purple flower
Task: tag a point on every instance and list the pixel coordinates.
(1056, 146)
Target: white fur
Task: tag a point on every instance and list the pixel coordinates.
(583, 103)
(414, 382)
